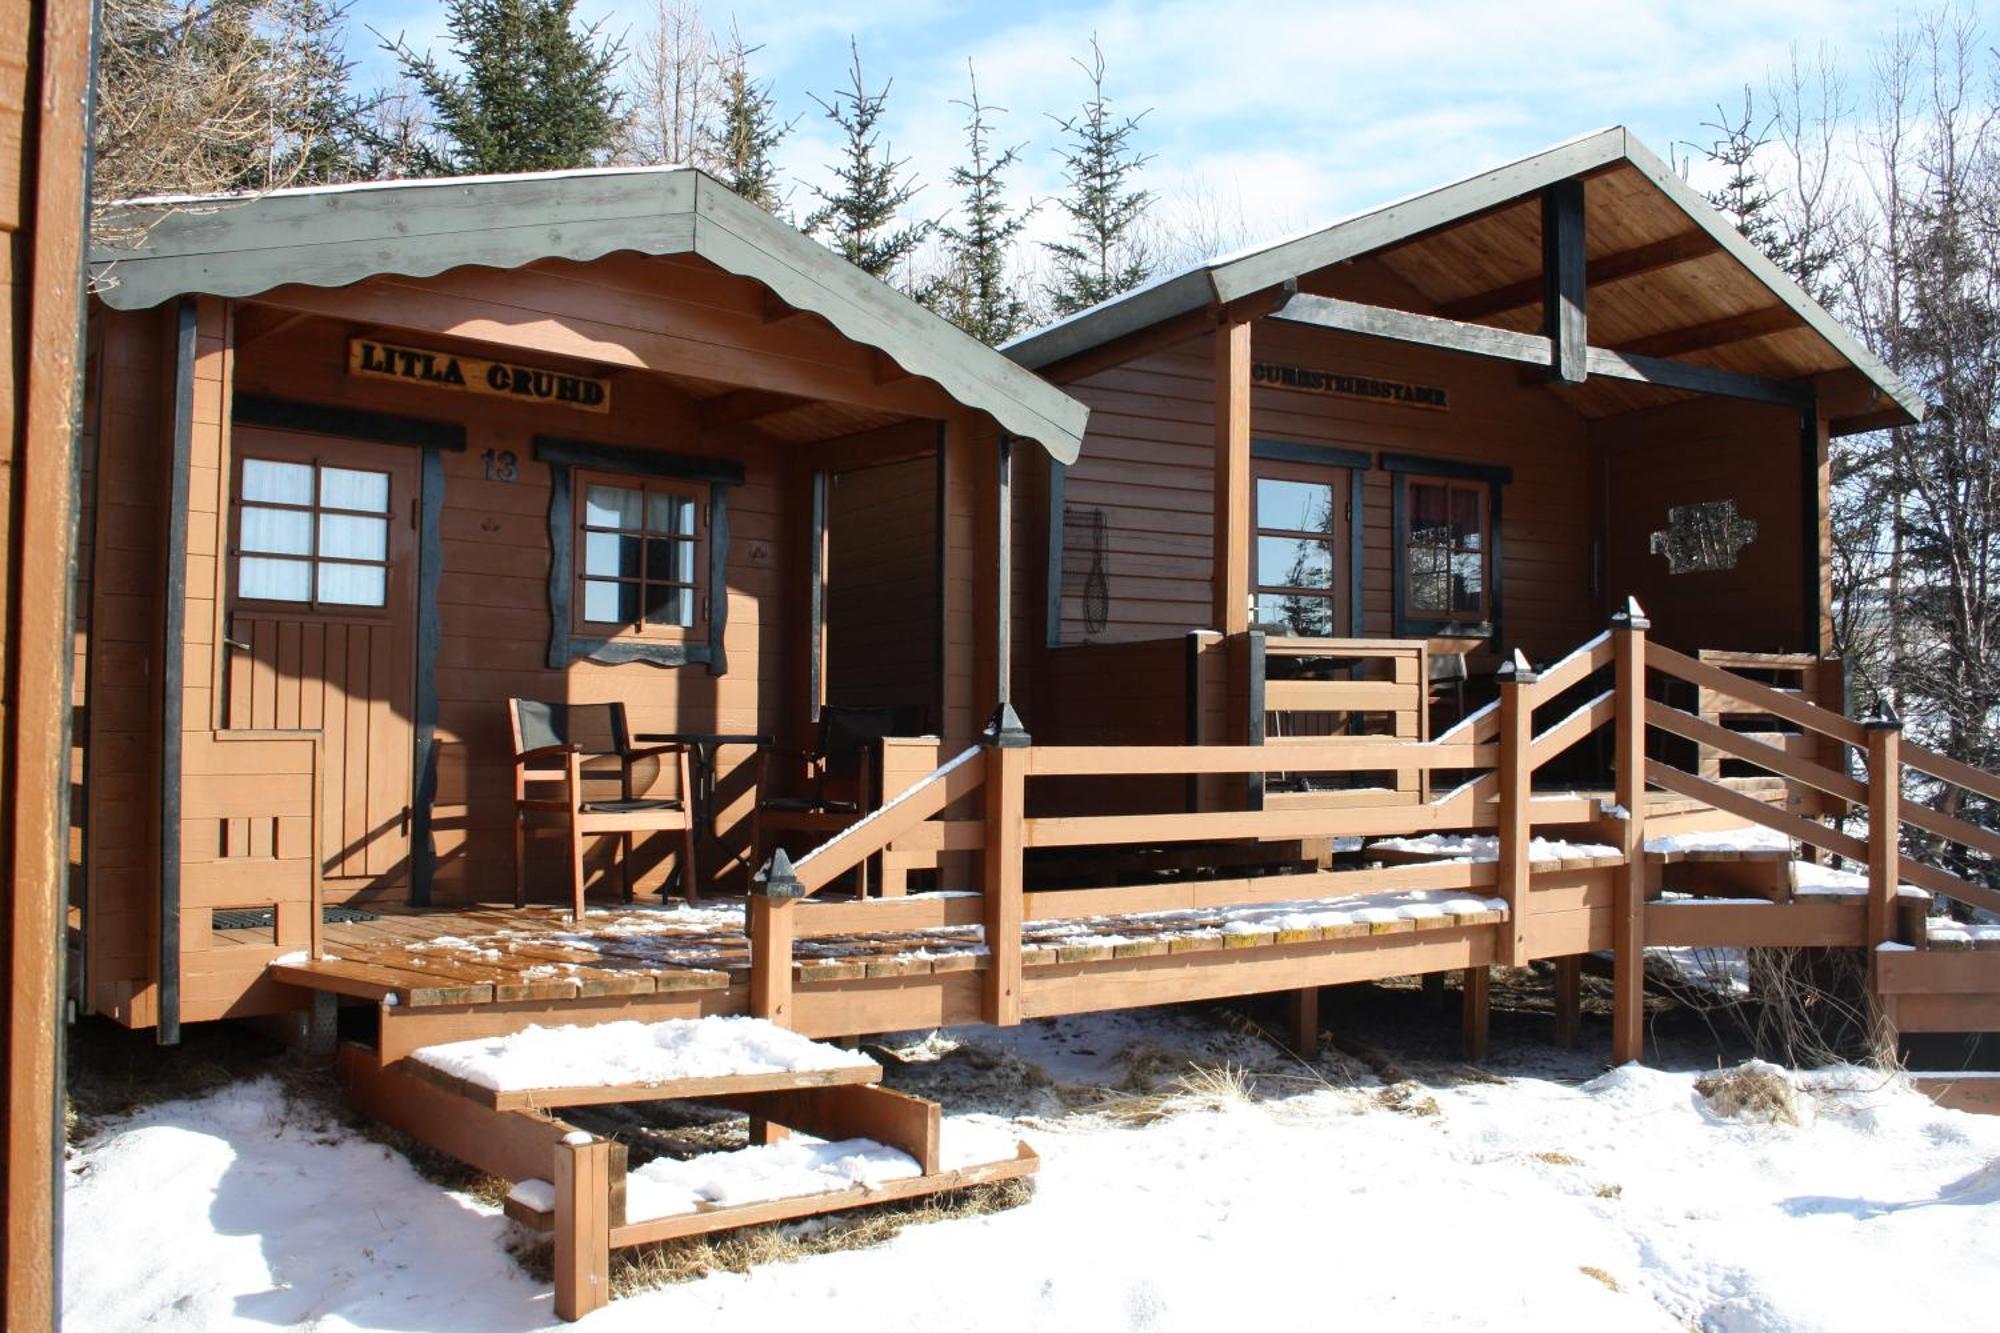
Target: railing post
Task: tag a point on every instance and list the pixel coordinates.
(1006, 808)
(583, 1228)
(771, 928)
(1628, 919)
(1517, 826)
(1885, 825)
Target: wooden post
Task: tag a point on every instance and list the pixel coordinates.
(1476, 987)
(1305, 1022)
(1006, 808)
(1569, 998)
(1517, 829)
(1232, 478)
(772, 928)
(1433, 984)
(1628, 924)
(1885, 825)
(583, 1227)
(1564, 321)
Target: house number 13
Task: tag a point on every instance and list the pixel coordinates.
(501, 465)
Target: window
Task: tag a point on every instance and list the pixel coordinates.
(638, 567)
(1444, 549)
(1299, 513)
(312, 534)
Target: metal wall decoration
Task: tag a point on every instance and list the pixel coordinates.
(1703, 537)
(1086, 544)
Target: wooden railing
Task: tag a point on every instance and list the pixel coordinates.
(1498, 746)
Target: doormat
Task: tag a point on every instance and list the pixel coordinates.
(266, 918)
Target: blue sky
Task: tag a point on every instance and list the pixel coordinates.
(1291, 112)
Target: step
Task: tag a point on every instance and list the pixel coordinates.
(672, 1060)
(667, 1199)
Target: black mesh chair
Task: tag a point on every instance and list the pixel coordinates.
(551, 744)
(833, 784)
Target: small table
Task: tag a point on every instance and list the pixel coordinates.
(702, 746)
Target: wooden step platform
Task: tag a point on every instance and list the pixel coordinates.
(877, 1145)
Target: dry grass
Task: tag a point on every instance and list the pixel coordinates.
(1197, 1088)
(1589, 1270)
(1409, 1098)
(1610, 1191)
(739, 1251)
(1753, 1090)
(1555, 1158)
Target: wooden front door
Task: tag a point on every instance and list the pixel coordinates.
(322, 629)
(1300, 565)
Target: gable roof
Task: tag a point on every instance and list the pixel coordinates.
(1230, 278)
(329, 236)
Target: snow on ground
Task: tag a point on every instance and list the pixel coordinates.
(609, 1054)
(1879, 1211)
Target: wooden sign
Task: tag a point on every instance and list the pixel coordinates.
(471, 374)
(1333, 383)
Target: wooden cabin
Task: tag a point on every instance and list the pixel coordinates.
(1444, 588)
(365, 463)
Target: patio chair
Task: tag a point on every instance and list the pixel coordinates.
(840, 775)
(552, 743)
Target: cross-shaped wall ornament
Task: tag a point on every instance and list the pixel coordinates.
(1705, 536)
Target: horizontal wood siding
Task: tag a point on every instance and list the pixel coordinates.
(1147, 465)
(1689, 453)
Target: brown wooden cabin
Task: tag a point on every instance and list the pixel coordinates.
(1471, 422)
(436, 375)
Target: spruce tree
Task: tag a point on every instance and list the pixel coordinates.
(858, 217)
(536, 93)
(974, 292)
(323, 142)
(748, 130)
(1103, 256)
(1744, 197)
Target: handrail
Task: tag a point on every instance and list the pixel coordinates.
(1739, 746)
(957, 778)
(1581, 722)
(1578, 664)
(1946, 769)
(1809, 715)
(1357, 754)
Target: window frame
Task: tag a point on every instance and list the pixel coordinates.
(1336, 593)
(565, 458)
(700, 494)
(311, 607)
(1407, 470)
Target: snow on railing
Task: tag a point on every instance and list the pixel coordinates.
(858, 827)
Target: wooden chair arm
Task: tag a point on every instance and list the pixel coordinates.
(546, 752)
(650, 751)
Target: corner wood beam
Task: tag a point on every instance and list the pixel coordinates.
(1649, 258)
(1565, 321)
(1715, 332)
(1230, 606)
(1533, 350)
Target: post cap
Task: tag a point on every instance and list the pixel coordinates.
(778, 878)
(1882, 719)
(1005, 730)
(1630, 616)
(1518, 670)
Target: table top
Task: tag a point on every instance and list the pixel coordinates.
(702, 738)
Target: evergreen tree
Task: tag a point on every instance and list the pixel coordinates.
(323, 142)
(1744, 197)
(536, 94)
(974, 292)
(859, 216)
(748, 130)
(1104, 255)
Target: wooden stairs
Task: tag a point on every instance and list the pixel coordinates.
(577, 1186)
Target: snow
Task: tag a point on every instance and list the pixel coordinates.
(634, 1053)
(1486, 847)
(262, 1213)
(1746, 838)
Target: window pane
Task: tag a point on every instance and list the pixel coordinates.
(1429, 513)
(345, 488)
(1465, 519)
(612, 507)
(670, 513)
(1468, 581)
(352, 585)
(1297, 505)
(610, 555)
(1288, 562)
(669, 605)
(358, 538)
(608, 603)
(1297, 613)
(280, 483)
(273, 580)
(283, 531)
(670, 561)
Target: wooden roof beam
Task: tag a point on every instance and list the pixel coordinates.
(743, 406)
(1565, 282)
(1532, 349)
(1650, 258)
(1714, 333)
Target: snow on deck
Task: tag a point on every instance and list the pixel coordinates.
(647, 1054)
(1486, 847)
(1745, 838)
